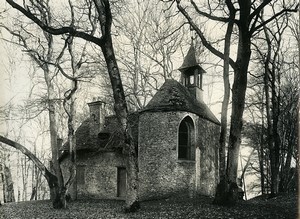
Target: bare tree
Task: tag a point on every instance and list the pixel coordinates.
(274, 93)
(48, 175)
(248, 25)
(274, 59)
(42, 52)
(146, 44)
(102, 15)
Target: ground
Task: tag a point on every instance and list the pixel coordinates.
(280, 207)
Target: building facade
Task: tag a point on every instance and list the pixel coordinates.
(177, 139)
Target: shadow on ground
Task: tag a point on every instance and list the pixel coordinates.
(201, 207)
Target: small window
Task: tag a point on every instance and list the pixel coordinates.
(186, 140)
(80, 173)
(200, 81)
(192, 80)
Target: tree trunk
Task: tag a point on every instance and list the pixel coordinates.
(238, 101)
(270, 81)
(285, 178)
(222, 188)
(7, 191)
(69, 96)
(260, 151)
(9, 195)
(275, 152)
(223, 134)
(57, 194)
(51, 179)
(132, 203)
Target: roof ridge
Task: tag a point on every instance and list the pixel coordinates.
(173, 96)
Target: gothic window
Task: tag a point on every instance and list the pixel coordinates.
(186, 140)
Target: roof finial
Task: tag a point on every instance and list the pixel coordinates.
(193, 37)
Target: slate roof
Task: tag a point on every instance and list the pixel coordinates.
(173, 96)
(190, 60)
(109, 139)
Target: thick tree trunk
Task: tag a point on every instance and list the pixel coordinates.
(56, 184)
(57, 194)
(132, 203)
(222, 188)
(229, 186)
(238, 101)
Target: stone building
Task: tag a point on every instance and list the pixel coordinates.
(177, 138)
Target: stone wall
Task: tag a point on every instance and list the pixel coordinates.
(161, 174)
(208, 144)
(96, 174)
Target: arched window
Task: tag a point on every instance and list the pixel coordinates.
(186, 149)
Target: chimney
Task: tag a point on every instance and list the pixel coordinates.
(191, 74)
(97, 117)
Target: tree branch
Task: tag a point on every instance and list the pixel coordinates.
(201, 35)
(264, 23)
(105, 17)
(210, 16)
(258, 10)
(30, 155)
(56, 31)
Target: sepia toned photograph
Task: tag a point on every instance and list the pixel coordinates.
(149, 109)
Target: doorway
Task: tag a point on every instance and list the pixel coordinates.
(121, 182)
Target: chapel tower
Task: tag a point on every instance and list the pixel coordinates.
(192, 74)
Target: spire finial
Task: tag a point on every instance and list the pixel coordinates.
(193, 35)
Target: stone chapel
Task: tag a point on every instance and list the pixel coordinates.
(177, 138)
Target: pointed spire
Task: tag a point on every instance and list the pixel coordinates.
(190, 59)
(192, 73)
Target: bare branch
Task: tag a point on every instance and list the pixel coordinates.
(201, 35)
(210, 16)
(259, 8)
(286, 10)
(30, 155)
(56, 31)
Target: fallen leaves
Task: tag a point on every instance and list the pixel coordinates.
(201, 207)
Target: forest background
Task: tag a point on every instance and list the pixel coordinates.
(150, 43)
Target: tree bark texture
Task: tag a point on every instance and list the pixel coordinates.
(225, 103)
(8, 186)
(238, 99)
(132, 203)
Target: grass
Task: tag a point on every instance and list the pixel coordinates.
(279, 207)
